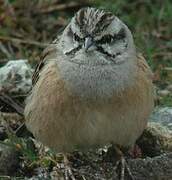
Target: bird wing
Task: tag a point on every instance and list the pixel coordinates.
(46, 55)
(144, 67)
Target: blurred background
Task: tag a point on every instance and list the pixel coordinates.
(26, 27)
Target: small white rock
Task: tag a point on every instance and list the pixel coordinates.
(164, 92)
(169, 87)
(163, 116)
(16, 77)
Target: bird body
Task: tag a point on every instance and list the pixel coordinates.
(88, 95)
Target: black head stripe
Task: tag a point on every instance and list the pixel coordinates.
(100, 20)
(80, 17)
(104, 22)
(100, 49)
(121, 34)
(112, 38)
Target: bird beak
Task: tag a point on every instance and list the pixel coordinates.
(88, 43)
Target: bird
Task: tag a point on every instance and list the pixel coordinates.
(91, 86)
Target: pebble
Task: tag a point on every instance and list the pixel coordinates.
(164, 92)
(9, 160)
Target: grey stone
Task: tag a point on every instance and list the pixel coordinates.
(164, 92)
(9, 160)
(155, 140)
(162, 116)
(15, 77)
(157, 168)
(169, 87)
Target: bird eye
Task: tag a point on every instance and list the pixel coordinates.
(105, 39)
(76, 37)
(109, 38)
(121, 35)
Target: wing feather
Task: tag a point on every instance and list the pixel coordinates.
(144, 67)
(47, 53)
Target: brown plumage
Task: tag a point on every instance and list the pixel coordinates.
(64, 122)
(61, 118)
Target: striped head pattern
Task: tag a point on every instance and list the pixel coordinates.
(97, 37)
